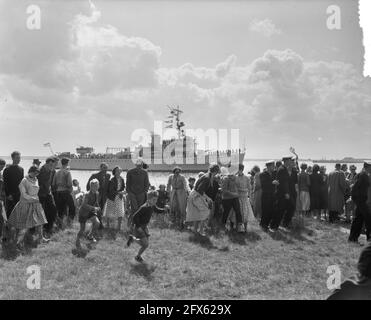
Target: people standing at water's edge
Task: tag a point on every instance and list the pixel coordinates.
(177, 188)
(336, 193)
(114, 210)
(198, 203)
(89, 211)
(45, 194)
(268, 183)
(63, 185)
(28, 212)
(360, 194)
(137, 186)
(140, 221)
(13, 176)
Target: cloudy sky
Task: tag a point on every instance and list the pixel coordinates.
(96, 71)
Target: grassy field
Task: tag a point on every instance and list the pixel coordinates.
(180, 265)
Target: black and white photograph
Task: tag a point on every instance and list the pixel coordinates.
(168, 150)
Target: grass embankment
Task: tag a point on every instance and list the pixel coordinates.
(180, 265)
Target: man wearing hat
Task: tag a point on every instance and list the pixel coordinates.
(362, 216)
(285, 197)
(137, 185)
(36, 163)
(45, 193)
(336, 193)
(360, 287)
(268, 184)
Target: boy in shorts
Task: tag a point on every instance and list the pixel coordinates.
(89, 211)
(140, 221)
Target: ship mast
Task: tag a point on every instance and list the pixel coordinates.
(175, 115)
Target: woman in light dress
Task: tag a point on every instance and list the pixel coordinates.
(28, 212)
(199, 204)
(244, 190)
(114, 209)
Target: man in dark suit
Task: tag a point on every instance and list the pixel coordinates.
(285, 201)
(12, 176)
(137, 185)
(103, 177)
(268, 183)
(45, 193)
(363, 211)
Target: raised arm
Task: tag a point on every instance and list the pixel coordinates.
(146, 182)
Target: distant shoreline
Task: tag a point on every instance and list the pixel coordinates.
(354, 160)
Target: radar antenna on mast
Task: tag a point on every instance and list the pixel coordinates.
(175, 113)
(48, 145)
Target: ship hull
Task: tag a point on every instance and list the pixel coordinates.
(127, 164)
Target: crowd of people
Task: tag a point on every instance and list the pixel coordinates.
(46, 200)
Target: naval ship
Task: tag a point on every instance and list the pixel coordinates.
(160, 155)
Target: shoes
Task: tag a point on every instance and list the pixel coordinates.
(240, 228)
(356, 242)
(44, 240)
(139, 259)
(69, 223)
(273, 230)
(91, 238)
(130, 241)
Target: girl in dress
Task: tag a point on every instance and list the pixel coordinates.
(198, 203)
(28, 212)
(115, 206)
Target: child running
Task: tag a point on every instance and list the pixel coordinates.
(140, 221)
(89, 211)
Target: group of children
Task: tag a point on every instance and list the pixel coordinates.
(137, 222)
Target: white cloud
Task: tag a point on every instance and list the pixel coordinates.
(265, 27)
(89, 75)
